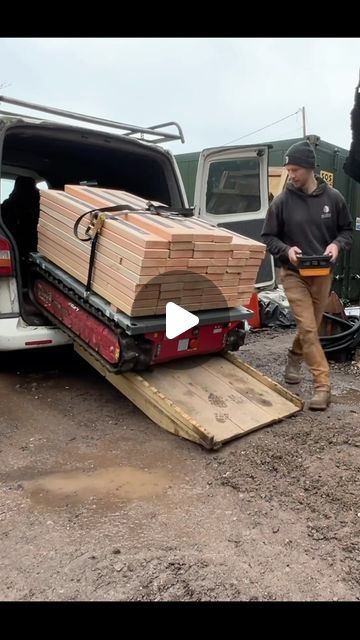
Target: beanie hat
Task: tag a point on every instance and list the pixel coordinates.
(301, 154)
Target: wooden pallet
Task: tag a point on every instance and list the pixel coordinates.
(218, 400)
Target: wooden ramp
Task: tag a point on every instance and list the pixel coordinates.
(209, 400)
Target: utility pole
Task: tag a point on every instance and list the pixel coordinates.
(303, 121)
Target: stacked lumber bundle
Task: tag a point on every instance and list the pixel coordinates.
(277, 180)
(142, 261)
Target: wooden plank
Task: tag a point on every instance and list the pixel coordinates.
(103, 268)
(209, 255)
(277, 180)
(210, 233)
(180, 246)
(119, 227)
(137, 249)
(56, 234)
(131, 269)
(240, 254)
(131, 232)
(129, 197)
(230, 401)
(171, 395)
(165, 228)
(111, 196)
(265, 380)
(99, 286)
(260, 398)
(93, 196)
(153, 403)
(252, 245)
(59, 213)
(206, 398)
(58, 198)
(118, 254)
(224, 248)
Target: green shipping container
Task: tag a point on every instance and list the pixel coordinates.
(330, 161)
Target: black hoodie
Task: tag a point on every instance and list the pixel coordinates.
(310, 221)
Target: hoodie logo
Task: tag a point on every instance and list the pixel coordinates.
(286, 160)
(326, 212)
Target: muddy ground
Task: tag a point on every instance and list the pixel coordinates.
(98, 503)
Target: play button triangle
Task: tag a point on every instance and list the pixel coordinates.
(178, 320)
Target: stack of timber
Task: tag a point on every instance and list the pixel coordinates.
(277, 181)
(143, 260)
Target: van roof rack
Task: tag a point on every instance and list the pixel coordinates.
(142, 133)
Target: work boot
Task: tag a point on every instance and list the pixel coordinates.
(320, 400)
(293, 369)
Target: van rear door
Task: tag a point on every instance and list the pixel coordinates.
(231, 191)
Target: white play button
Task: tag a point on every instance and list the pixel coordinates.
(178, 320)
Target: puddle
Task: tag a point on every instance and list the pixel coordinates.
(112, 484)
(350, 396)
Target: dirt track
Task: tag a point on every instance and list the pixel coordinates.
(98, 503)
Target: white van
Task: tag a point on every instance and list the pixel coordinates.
(231, 190)
(53, 154)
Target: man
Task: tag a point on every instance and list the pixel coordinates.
(308, 218)
(352, 163)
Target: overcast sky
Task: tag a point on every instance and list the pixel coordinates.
(218, 89)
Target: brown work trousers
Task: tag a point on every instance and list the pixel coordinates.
(308, 297)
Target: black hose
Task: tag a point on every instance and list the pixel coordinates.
(347, 324)
(347, 340)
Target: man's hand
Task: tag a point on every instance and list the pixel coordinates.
(332, 250)
(293, 255)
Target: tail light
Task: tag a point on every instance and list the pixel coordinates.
(6, 265)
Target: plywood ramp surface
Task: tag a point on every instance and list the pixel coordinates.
(209, 400)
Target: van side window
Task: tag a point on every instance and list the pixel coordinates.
(233, 186)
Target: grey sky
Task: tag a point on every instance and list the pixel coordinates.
(218, 89)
